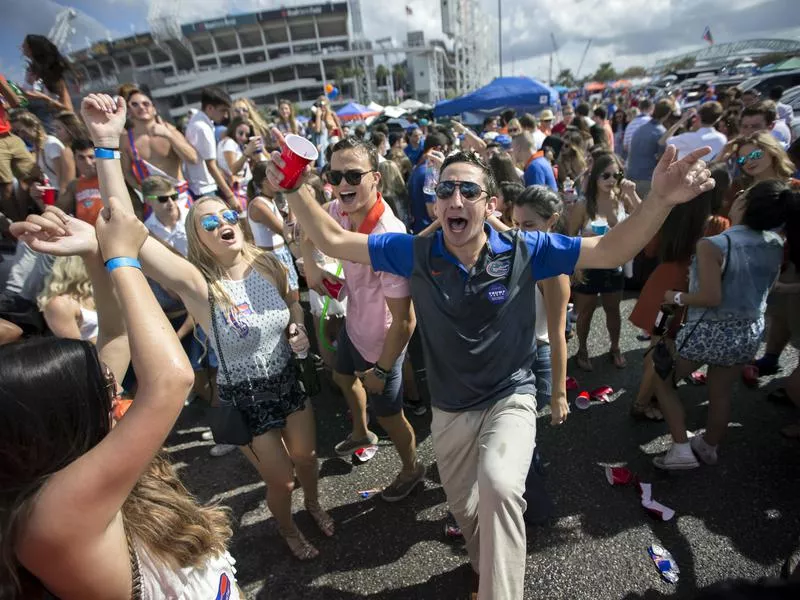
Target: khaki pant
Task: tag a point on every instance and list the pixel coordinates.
(15, 160)
(483, 459)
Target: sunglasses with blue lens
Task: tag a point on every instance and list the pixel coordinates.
(213, 222)
(754, 155)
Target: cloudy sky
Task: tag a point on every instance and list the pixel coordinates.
(625, 32)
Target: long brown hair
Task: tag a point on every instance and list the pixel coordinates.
(201, 257)
(292, 123)
(73, 125)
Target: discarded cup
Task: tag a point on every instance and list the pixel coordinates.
(49, 196)
(582, 401)
(572, 384)
(601, 394)
(296, 154)
(619, 475)
(362, 455)
(666, 565)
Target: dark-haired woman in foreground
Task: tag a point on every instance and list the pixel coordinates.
(88, 510)
(729, 280)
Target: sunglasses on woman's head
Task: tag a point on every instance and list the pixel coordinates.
(605, 176)
(352, 177)
(469, 190)
(754, 155)
(213, 222)
(164, 199)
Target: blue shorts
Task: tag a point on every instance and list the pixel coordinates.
(349, 360)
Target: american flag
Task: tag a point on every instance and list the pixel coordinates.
(707, 35)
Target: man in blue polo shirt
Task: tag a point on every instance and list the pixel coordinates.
(470, 286)
(538, 170)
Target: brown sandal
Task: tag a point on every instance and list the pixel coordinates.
(299, 545)
(323, 520)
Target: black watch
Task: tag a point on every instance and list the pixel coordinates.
(380, 372)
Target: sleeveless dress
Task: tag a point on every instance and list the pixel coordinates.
(267, 239)
(256, 373)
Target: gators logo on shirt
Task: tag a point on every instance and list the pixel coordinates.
(224, 590)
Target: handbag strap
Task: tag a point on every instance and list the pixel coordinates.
(722, 277)
(221, 357)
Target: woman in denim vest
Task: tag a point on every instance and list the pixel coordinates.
(729, 280)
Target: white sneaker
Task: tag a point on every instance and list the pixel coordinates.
(704, 451)
(677, 458)
(207, 436)
(222, 449)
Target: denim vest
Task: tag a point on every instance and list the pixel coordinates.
(754, 264)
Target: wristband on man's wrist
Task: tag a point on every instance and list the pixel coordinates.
(380, 372)
(122, 261)
(107, 153)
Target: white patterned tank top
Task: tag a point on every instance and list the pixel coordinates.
(253, 336)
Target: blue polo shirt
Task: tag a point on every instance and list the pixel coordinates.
(476, 325)
(415, 154)
(540, 172)
(418, 200)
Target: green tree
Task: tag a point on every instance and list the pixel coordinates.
(400, 74)
(381, 74)
(605, 72)
(632, 72)
(565, 78)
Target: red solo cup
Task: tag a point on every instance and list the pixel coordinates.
(49, 196)
(296, 154)
(619, 475)
(582, 401)
(334, 288)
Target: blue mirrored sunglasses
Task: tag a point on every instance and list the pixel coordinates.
(754, 155)
(212, 222)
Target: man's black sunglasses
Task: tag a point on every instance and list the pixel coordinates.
(352, 177)
(469, 190)
(164, 199)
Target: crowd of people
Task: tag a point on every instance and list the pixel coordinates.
(153, 264)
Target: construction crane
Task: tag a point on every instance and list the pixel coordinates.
(580, 66)
(62, 30)
(555, 51)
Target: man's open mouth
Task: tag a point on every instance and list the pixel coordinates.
(347, 197)
(456, 224)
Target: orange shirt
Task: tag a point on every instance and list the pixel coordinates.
(88, 202)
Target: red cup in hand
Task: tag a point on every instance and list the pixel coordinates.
(49, 196)
(296, 154)
(334, 288)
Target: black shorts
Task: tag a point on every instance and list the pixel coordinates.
(600, 281)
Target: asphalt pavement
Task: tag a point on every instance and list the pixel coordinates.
(739, 518)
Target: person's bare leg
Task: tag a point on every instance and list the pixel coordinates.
(300, 437)
(356, 397)
(670, 403)
(402, 435)
(585, 306)
(611, 304)
(720, 389)
(271, 459)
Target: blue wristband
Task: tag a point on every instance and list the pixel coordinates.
(106, 153)
(122, 261)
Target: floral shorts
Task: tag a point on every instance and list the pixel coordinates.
(266, 403)
(720, 343)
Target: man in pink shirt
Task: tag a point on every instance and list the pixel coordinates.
(379, 320)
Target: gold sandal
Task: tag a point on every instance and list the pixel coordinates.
(323, 520)
(299, 545)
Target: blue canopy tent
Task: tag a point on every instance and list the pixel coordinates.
(523, 94)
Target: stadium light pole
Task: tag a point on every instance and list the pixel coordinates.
(500, 34)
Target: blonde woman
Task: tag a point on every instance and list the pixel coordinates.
(239, 295)
(393, 189)
(244, 107)
(67, 301)
(77, 521)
